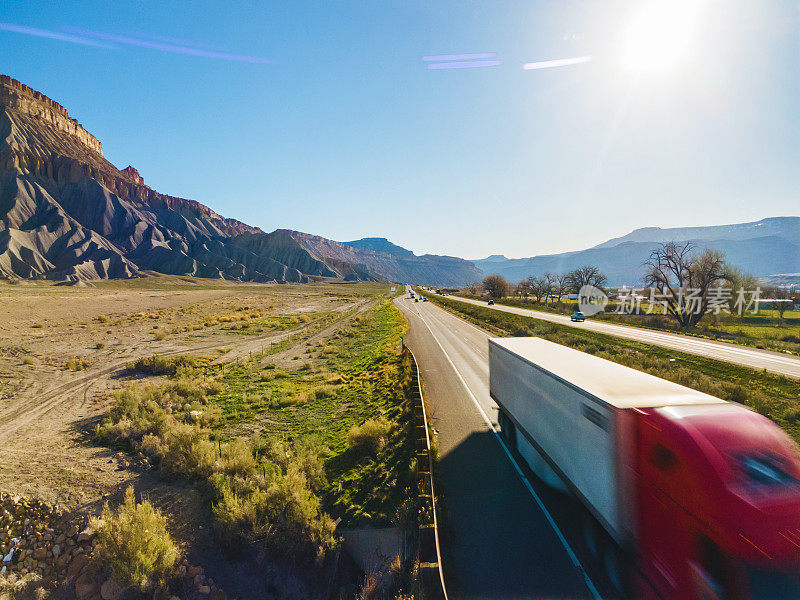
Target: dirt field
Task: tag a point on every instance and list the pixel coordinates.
(62, 349)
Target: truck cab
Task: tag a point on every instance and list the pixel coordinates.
(718, 489)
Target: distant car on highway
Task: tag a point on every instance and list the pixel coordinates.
(416, 299)
(490, 302)
(577, 316)
(424, 299)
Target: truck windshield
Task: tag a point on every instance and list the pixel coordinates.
(774, 585)
(765, 471)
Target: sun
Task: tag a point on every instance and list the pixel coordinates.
(659, 37)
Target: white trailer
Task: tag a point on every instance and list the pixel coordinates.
(569, 415)
(661, 469)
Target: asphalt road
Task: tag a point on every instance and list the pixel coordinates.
(504, 534)
(775, 362)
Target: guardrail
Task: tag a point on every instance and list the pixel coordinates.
(430, 555)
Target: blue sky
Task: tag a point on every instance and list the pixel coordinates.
(322, 116)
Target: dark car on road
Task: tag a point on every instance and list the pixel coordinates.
(577, 316)
(490, 302)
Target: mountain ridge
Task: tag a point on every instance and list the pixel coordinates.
(67, 213)
(763, 248)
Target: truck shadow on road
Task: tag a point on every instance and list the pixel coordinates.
(496, 540)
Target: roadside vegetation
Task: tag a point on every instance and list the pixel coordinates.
(774, 396)
(682, 293)
(281, 447)
(765, 330)
(133, 544)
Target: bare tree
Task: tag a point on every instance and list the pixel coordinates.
(549, 284)
(585, 275)
(684, 279)
(524, 288)
(560, 284)
(780, 299)
(474, 289)
(738, 280)
(496, 285)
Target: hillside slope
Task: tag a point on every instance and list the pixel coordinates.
(396, 264)
(67, 213)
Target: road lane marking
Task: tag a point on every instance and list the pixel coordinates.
(573, 557)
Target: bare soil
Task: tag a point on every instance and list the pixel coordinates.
(47, 409)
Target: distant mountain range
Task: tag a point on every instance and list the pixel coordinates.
(66, 213)
(763, 248)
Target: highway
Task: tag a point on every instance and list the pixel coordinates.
(505, 535)
(774, 362)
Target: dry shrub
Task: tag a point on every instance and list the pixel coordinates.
(166, 365)
(134, 545)
(154, 446)
(77, 364)
(26, 586)
(213, 387)
(188, 388)
(237, 458)
(371, 436)
(284, 513)
(191, 454)
(325, 392)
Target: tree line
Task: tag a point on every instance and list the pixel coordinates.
(688, 283)
(550, 285)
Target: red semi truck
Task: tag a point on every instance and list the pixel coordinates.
(688, 496)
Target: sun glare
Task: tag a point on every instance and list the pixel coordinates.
(660, 35)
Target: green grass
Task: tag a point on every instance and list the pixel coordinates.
(775, 396)
(353, 378)
(357, 376)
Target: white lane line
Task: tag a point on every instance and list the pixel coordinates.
(573, 557)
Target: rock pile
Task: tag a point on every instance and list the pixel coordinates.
(37, 538)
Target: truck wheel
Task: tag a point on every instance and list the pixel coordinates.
(614, 567)
(506, 429)
(591, 536)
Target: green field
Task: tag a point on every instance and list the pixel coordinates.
(351, 378)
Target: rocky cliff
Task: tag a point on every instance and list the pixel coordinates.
(388, 262)
(67, 213)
